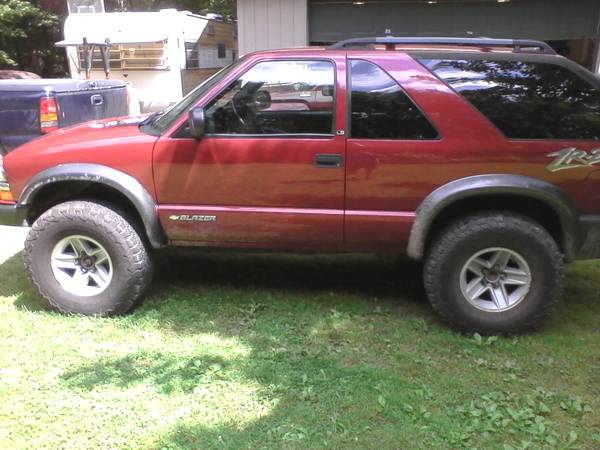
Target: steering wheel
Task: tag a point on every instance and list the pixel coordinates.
(244, 103)
(236, 110)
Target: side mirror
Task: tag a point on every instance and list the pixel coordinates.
(196, 122)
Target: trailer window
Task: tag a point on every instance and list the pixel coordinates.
(221, 51)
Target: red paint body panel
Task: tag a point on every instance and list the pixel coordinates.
(381, 230)
(266, 191)
(123, 147)
(248, 172)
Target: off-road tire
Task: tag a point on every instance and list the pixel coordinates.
(132, 263)
(454, 245)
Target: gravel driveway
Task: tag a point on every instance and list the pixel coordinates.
(11, 241)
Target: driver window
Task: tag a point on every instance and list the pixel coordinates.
(276, 97)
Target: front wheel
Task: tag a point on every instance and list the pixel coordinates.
(84, 258)
(494, 273)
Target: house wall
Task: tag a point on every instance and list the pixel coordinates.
(268, 24)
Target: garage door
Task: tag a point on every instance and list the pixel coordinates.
(331, 21)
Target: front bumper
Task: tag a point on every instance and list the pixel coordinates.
(13, 215)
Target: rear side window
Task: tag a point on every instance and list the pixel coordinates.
(525, 100)
(381, 110)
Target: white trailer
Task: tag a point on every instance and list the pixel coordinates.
(162, 54)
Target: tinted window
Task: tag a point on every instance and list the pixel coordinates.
(276, 97)
(381, 109)
(526, 100)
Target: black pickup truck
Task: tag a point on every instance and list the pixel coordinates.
(31, 108)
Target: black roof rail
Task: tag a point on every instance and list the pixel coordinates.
(519, 45)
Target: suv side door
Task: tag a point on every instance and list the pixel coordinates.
(269, 171)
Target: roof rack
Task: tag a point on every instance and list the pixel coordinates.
(518, 45)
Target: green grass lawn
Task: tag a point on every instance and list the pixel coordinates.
(236, 351)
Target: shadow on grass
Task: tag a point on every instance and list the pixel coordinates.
(296, 316)
(192, 286)
(14, 283)
(168, 373)
(366, 276)
(360, 275)
(305, 398)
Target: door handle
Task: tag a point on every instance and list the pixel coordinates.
(328, 161)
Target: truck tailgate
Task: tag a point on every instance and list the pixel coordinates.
(96, 99)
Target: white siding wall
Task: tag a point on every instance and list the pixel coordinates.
(269, 24)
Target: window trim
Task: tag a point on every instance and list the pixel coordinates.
(560, 61)
(178, 134)
(439, 135)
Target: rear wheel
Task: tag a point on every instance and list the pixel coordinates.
(85, 258)
(494, 273)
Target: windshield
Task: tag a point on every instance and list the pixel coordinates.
(161, 121)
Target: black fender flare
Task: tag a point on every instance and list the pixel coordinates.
(491, 184)
(95, 173)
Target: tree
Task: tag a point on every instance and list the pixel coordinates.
(27, 35)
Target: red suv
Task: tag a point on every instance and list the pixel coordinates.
(477, 156)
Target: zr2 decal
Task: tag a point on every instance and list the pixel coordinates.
(571, 157)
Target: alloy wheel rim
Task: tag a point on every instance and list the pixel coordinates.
(81, 266)
(495, 279)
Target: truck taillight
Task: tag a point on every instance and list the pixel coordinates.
(48, 115)
(5, 194)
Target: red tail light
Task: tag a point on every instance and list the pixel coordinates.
(48, 115)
